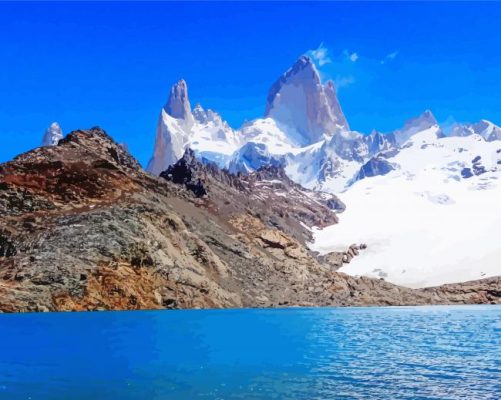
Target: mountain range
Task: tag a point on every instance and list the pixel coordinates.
(427, 170)
(294, 208)
(303, 129)
(84, 227)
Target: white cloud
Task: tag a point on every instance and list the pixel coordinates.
(389, 57)
(320, 55)
(347, 67)
(343, 81)
(351, 56)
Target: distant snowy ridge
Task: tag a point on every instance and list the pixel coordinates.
(486, 129)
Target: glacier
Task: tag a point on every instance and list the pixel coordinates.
(424, 223)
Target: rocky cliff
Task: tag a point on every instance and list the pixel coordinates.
(83, 227)
(299, 100)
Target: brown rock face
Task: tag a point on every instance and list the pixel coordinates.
(83, 227)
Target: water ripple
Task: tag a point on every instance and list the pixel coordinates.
(332, 353)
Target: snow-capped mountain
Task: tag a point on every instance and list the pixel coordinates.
(425, 203)
(425, 121)
(299, 101)
(179, 127)
(52, 135)
(303, 129)
(300, 111)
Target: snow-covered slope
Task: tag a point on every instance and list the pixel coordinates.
(334, 163)
(432, 220)
(52, 135)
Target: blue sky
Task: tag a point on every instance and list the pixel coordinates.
(112, 64)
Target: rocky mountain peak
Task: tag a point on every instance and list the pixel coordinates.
(178, 105)
(199, 114)
(299, 100)
(378, 142)
(487, 130)
(483, 128)
(52, 135)
(97, 143)
(188, 171)
(414, 125)
(204, 116)
(303, 62)
(425, 119)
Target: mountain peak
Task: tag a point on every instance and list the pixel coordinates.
(428, 116)
(425, 120)
(52, 135)
(487, 129)
(484, 128)
(300, 64)
(178, 106)
(299, 100)
(199, 114)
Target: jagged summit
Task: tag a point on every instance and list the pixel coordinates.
(487, 130)
(52, 135)
(199, 113)
(483, 128)
(424, 121)
(304, 63)
(179, 127)
(299, 100)
(178, 106)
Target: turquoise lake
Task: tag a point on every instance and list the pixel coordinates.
(298, 353)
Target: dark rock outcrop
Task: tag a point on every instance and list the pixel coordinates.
(183, 173)
(476, 168)
(374, 167)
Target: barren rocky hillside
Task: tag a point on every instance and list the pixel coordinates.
(83, 227)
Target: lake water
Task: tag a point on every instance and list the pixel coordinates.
(329, 353)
